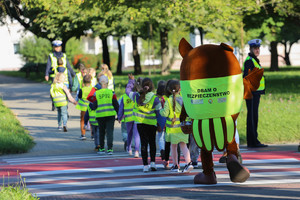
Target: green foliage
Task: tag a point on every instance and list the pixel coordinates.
(35, 49)
(13, 137)
(73, 47)
(16, 192)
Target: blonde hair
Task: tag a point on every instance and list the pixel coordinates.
(91, 71)
(59, 78)
(108, 72)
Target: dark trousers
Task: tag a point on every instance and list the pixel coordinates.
(252, 120)
(147, 135)
(106, 127)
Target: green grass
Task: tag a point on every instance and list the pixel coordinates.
(13, 137)
(16, 192)
(278, 111)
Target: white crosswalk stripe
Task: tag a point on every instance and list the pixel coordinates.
(131, 178)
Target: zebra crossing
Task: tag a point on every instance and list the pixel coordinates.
(91, 174)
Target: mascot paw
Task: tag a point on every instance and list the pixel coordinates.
(201, 178)
(237, 172)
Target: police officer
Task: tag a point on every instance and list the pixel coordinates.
(52, 65)
(51, 68)
(253, 104)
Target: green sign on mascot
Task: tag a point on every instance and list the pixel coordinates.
(213, 88)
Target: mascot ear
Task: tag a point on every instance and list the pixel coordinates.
(184, 47)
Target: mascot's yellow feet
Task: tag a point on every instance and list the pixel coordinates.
(237, 172)
(202, 178)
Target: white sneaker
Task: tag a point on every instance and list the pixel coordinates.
(60, 128)
(153, 166)
(136, 154)
(82, 137)
(146, 168)
(189, 167)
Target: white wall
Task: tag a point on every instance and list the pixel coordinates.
(9, 35)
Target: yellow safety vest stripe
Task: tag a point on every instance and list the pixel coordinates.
(58, 95)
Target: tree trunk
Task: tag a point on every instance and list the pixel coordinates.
(105, 52)
(201, 34)
(119, 66)
(164, 46)
(287, 53)
(274, 57)
(136, 56)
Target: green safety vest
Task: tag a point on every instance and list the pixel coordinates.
(58, 95)
(145, 113)
(92, 117)
(80, 79)
(83, 103)
(54, 66)
(128, 108)
(213, 99)
(176, 127)
(262, 81)
(105, 107)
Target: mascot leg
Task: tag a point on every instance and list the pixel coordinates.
(208, 175)
(237, 172)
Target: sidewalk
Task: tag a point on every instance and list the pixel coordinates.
(30, 102)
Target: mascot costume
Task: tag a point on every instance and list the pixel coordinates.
(213, 88)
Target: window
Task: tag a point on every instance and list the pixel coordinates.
(17, 48)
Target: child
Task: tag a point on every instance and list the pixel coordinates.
(107, 106)
(59, 92)
(106, 72)
(91, 117)
(78, 80)
(126, 113)
(83, 102)
(161, 120)
(145, 112)
(92, 72)
(172, 110)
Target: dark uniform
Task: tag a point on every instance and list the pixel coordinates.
(252, 105)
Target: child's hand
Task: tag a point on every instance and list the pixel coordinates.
(75, 103)
(130, 76)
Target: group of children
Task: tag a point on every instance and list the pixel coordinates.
(143, 112)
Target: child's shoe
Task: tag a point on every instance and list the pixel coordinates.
(60, 128)
(97, 148)
(65, 129)
(195, 165)
(174, 168)
(130, 152)
(110, 152)
(82, 137)
(153, 166)
(189, 167)
(146, 168)
(166, 165)
(101, 151)
(136, 154)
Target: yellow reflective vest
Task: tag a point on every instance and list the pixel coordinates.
(58, 94)
(172, 127)
(145, 113)
(54, 66)
(83, 103)
(92, 116)
(105, 106)
(128, 108)
(262, 81)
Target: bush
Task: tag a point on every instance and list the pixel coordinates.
(33, 67)
(13, 137)
(94, 61)
(18, 191)
(73, 47)
(35, 50)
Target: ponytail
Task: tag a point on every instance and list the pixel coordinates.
(147, 86)
(174, 106)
